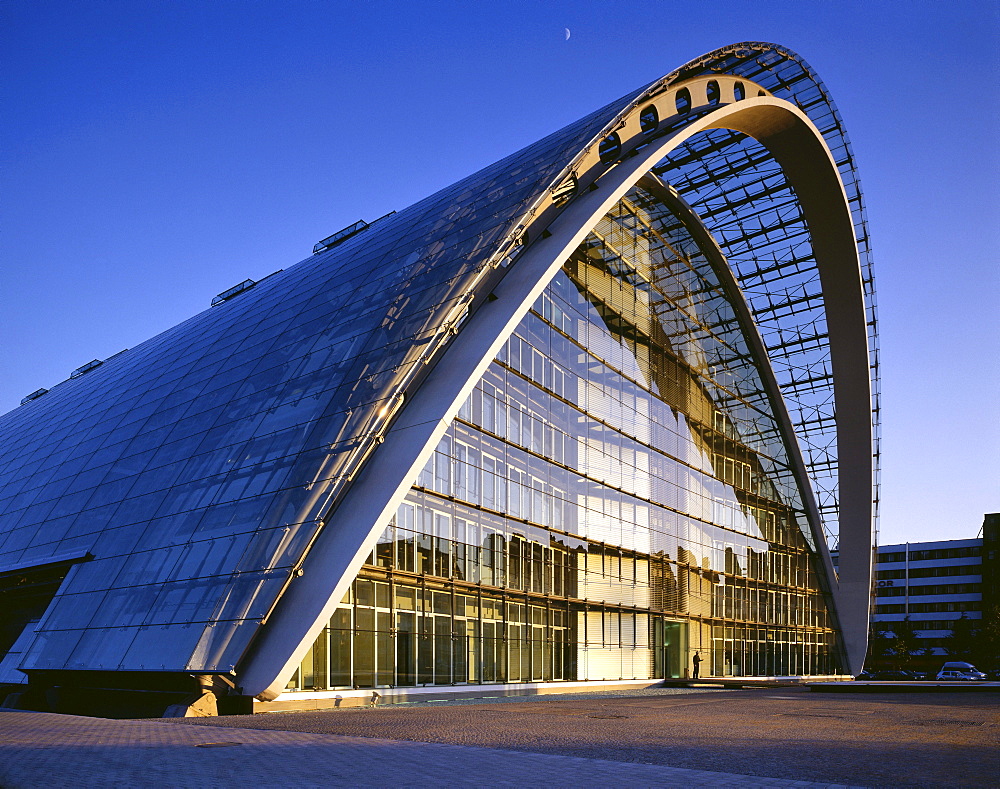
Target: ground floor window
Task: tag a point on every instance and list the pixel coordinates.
(406, 632)
(390, 633)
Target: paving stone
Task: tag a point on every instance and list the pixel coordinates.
(883, 740)
(648, 738)
(43, 749)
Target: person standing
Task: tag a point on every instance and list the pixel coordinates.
(696, 660)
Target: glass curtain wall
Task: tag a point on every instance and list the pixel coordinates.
(614, 495)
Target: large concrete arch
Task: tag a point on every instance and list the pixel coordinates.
(352, 530)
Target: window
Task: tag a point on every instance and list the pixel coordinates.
(712, 92)
(610, 147)
(947, 570)
(944, 553)
(25, 595)
(945, 589)
(649, 119)
(683, 101)
(564, 191)
(739, 92)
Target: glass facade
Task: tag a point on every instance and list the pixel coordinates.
(742, 194)
(196, 467)
(614, 495)
(647, 468)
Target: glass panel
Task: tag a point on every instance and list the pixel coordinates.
(619, 455)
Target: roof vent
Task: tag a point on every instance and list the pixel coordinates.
(235, 290)
(33, 396)
(342, 235)
(86, 368)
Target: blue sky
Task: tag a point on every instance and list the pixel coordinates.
(155, 153)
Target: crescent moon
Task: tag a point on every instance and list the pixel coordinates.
(567, 33)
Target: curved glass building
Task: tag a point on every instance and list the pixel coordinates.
(597, 407)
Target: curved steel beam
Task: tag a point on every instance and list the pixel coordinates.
(340, 550)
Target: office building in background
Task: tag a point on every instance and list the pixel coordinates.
(940, 589)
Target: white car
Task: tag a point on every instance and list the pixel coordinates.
(952, 675)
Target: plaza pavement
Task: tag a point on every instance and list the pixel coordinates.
(45, 750)
(767, 737)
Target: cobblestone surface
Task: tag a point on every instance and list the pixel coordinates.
(46, 750)
(649, 737)
(891, 739)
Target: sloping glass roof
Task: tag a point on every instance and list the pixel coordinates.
(195, 467)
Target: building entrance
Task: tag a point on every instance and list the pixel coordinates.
(670, 650)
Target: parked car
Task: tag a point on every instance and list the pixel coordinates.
(951, 675)
(966, 668)
(894, 676)
(958, 670)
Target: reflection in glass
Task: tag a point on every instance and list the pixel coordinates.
(616, 475)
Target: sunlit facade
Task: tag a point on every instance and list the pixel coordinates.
(599, 406)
